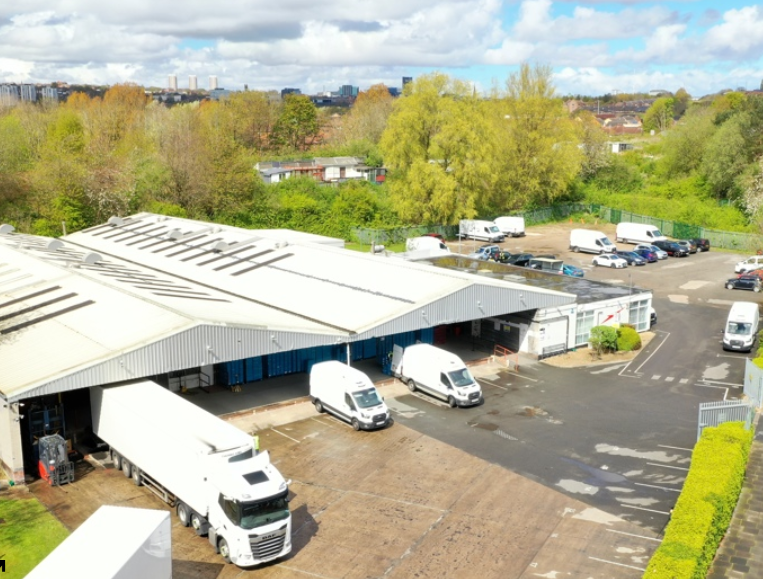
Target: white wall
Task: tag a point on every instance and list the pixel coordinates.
(11, 453)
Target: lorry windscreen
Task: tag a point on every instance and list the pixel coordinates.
(257, 513)
(739, 328)
(367, 398)
(461, 378)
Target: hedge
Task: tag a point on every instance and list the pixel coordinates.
(704, 509)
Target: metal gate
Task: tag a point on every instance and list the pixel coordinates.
(753, 383)
(715, 413)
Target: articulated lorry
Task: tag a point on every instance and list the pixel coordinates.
(209, 470)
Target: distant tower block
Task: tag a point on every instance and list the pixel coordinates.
(193, 82)
(172, 82)
(212, 82)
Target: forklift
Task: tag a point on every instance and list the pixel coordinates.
(54, 464)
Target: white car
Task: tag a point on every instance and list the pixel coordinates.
(749, 264)
(609, 260)
(661, 254)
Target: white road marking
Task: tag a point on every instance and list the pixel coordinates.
(285, 435)
(668, 466)
(720, 302)
(667, 335)
(679, 299)
(658, 487)
(643, 509)
(656, 377)
(674, 447)
(683, 380)
(692, 285)
(618, 564)
(725, 390)
(669, 379)
(632, 535)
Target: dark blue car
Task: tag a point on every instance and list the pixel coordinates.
(631, 257)
(649, 256)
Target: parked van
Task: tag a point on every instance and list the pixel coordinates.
(590, 241)
(348, 394)
(638, 233)
(480, 230)
(426, 243)
(741, 326)
(751, 263)
(437, 372)
(513, 226)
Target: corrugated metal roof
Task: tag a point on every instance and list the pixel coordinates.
(150, 294)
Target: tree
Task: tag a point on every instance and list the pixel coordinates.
(368, 117)
(297, 126)
(724, 158)
(682, 100)
(594, 144)
(659, 116)
(684, 146)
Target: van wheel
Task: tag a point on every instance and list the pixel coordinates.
(756, 289)
(411, 384)
(318, 406)
(222, 547)
(355, 424)
(576, 249)
(451, 402)
(729, 285)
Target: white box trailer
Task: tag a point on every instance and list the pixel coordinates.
(480, 230)
(206, 468)
(348, 394)
(512, 225)
(437, 372)
(638, 233)
(118, 543)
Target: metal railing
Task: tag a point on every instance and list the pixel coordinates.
(501, 353)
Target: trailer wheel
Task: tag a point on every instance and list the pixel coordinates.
(136, 476)
(411, 384)
(318, 406)
(116, 460)
(451, 402)
(126, 467)
(224, 550)
(355, 424)
(184, 515)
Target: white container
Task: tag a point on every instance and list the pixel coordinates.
(480, 230)
(119, 543)
(348, 394)
(638, 233)
(513, 226)
(221, 485)
(741, 326)
(438, 373)
(590, 241)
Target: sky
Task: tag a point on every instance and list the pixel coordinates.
(593, 47)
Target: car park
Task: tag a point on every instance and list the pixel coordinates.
(631, 257)
(610, 260)
(660, 253)
(749, 264)
(689, 245)
(672, 248)
(744, 281)
(702, 243)
(572, 270)
(647, 254)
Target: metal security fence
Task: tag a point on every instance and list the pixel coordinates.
(748, 242)
(715, 413)
(753, 383)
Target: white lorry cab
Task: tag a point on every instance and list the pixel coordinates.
(741, 326)
(513, 225)
(206, 468)
(348, 394)
(480, 230)
(590, 241)
(437, 372)
(638, 233)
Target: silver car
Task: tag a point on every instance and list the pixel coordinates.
(654, 249)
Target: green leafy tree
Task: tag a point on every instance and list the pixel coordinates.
(297, 126)
(659, 116)
(725, 158)
(682, 100)
(603, 339)
(368, 117)
(593, 144)
(683, 147)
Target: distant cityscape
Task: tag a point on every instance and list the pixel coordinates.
(12, 93)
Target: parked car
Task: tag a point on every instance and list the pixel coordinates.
(752, 262)
(610, 260)
(701, 243)
(649, 255)
(690, 246)
(520, 259)
(745, 281)
(572, 270)
(672, 248)
(486, 252)
(631, 257)
(660, 253)
(756, 272)
(652, 317)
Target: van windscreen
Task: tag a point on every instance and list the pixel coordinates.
(367, 398)
(461, 378)
(740, 328)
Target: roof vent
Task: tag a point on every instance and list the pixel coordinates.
(54, 245)
(6, 229)
(116, 221)
(92, 258)
(175, 234)
(220, 246)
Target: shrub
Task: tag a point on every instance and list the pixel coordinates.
(628, 339)
(603, 339)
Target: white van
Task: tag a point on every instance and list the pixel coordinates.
(480, 230)
(348, 394)
(741, 327)
(751, 263)
(513, 226)
(426, 243)
(437, 372)
(638, 233)
(590, 241)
